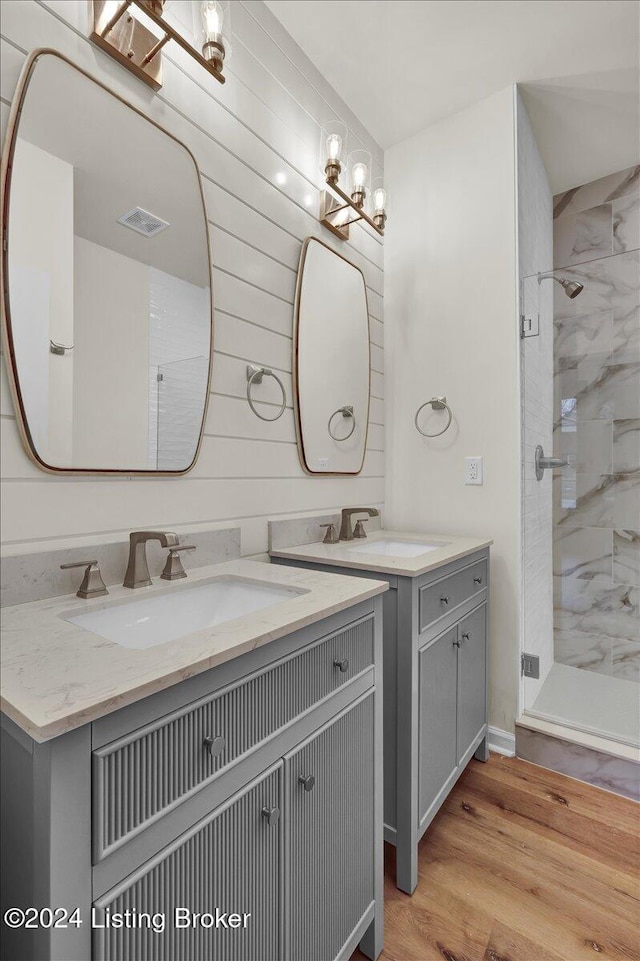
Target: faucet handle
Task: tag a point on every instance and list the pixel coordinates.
(173, 569)
(92, 583)
(359, 530)
(331, 537)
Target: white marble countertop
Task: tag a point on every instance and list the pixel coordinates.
(56, 676)
(341, 555)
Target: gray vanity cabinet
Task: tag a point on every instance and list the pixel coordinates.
(253, 788)
(330, 790)
(435, 691)
(231, 858)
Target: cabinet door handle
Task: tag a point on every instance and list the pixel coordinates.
(342, 665)
(271, 815)
(308, 781)
(215, 744)
(445, 599)
(477, 580)
(466, 636)
(456, 643)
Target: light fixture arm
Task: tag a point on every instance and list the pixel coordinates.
(138, 50)
(328, 212)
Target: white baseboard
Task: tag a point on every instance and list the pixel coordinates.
(501, 742)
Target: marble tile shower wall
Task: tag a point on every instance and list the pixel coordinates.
(597, 425)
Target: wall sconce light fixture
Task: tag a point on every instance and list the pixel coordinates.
(120, 27)
(337, 217)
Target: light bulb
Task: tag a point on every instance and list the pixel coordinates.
(213, 47)
(379, 199)
(359, 175)
(212, 19)
(334, 146)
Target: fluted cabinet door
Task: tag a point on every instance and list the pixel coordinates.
(230, 861)
(472, 666)
(329, 787)
(437, 718)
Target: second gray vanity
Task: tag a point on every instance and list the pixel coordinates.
(435, 667)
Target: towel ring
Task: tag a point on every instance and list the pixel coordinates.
(346, 412)
(254, 376)
(437, 403)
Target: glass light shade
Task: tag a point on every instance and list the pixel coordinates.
(333, 136)
(212, 31)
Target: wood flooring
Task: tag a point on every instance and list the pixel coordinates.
(521, 864)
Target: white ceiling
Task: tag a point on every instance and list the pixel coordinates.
(120, 160)
(404, 64)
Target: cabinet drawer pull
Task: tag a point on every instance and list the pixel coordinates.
(466, 636)
(271, 815)
(477, 580)
(342, 665)
(215, 745)
(445, 599)
(308, 781)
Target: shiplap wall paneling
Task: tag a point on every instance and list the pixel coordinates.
(256, 141)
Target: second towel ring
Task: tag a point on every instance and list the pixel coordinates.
(254, 376)
(346, 412)
(437, 403)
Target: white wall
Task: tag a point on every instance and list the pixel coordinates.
(535, 254)
(256, 140)
(451, 299)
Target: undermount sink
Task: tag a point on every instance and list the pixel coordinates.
(157, 618)
(395, 548)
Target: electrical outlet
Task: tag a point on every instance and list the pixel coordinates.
(323, 463)
(473, 470)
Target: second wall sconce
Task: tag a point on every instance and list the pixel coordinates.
(122, 28)
(336, 216)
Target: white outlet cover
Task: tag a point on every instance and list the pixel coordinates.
(323, 463)
(473, 470)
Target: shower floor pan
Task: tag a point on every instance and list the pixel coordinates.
(595, 703)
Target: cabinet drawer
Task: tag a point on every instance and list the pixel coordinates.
(138, 778)
(438, 599)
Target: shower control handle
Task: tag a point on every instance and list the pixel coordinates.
(543, 463)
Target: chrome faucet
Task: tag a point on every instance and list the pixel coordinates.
(137, 569)
(346, 532)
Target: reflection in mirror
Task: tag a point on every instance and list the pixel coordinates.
(107, 274)
(331, 362)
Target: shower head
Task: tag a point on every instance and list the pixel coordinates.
(571, 287)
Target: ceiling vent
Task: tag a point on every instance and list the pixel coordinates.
(143, 222)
